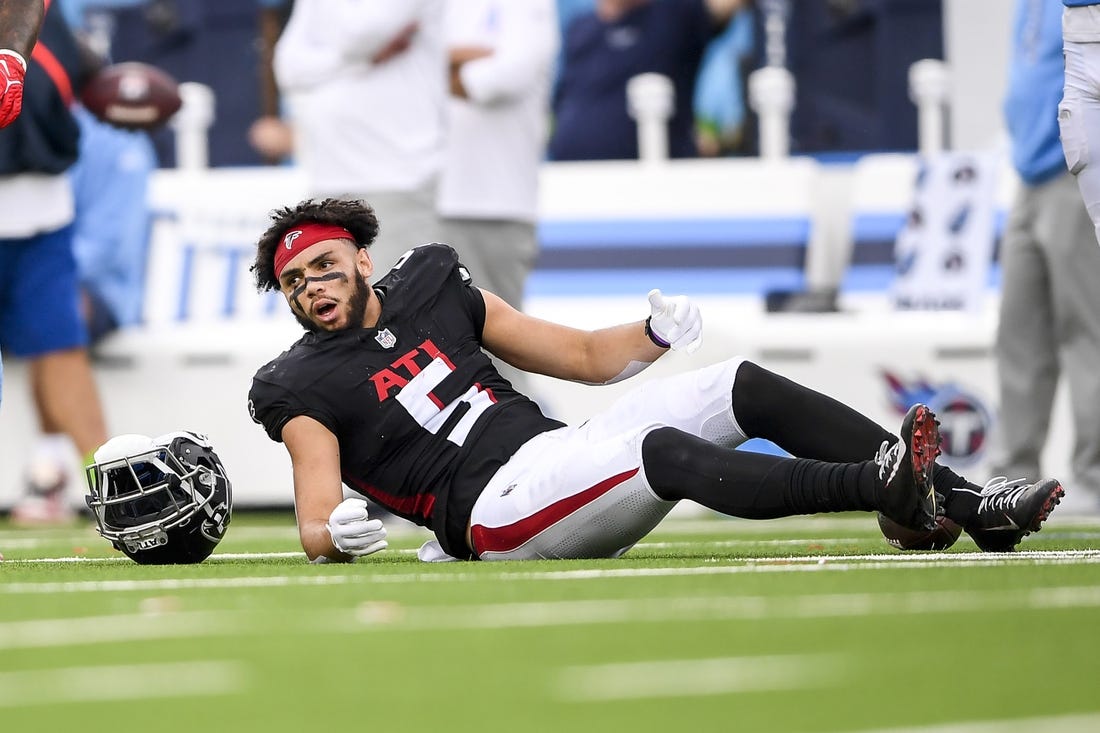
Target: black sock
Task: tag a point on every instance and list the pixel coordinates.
(960, 497)
(752, 485)
(799, 420)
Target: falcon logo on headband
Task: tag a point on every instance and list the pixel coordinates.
(305, 236)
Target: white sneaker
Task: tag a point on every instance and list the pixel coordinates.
(45, 500)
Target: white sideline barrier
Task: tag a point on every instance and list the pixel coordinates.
(204, 233)
(208, 331)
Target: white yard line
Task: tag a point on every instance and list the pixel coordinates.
(215, 558)
(235, 556)
(161, 622)
(122, 559)
(820, 563)
(382, 615)
(696, 677)
(25, 543)
(801, 542)
(1085, 723)
(122, 682)
(42, 633)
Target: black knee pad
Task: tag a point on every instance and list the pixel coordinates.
(754, 392)
(676, 463)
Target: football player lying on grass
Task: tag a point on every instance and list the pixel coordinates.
(390, 392)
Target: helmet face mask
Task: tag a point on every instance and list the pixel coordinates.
(160, 501)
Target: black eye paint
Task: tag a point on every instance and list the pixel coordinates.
(297, 292)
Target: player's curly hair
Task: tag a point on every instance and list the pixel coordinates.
(355, 216)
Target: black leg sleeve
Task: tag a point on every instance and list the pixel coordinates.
(679, 465)
(801, 421)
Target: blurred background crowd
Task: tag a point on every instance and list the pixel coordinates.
(850, 57)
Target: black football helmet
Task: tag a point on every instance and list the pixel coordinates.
(162, 501)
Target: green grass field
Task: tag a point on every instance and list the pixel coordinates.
(708, 625)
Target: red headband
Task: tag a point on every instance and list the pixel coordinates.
(303, 237)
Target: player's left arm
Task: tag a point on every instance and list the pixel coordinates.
(597, 357)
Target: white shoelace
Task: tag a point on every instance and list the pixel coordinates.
(1000, 493)
(889, 456)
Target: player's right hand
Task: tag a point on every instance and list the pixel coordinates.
(12, 70)
(352, 532)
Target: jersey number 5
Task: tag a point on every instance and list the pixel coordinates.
(431, 414)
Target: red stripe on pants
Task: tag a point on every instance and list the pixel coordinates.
(511, 536)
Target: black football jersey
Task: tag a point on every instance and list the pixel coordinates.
(422, 417)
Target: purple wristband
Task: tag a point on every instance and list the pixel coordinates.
(654, 337)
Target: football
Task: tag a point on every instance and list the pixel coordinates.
(903, 538)
(132, 95)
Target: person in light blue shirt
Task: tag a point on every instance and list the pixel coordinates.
(1050, 304)
(720, 111)
(110, 180)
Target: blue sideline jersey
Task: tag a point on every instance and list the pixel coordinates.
(110, 180)
(1035, 81)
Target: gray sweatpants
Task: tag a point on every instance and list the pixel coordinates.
(406, 219)
(499, 255)
(1049, 328)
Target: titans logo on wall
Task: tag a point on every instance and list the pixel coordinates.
(965, 421)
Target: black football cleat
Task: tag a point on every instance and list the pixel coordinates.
(905, 492)
(1011, 510)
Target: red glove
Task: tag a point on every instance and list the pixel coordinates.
(12, 70)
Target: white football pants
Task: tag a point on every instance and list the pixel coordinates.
(581, 491)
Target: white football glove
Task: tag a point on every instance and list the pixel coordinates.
(676, 321)
(352, 532)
